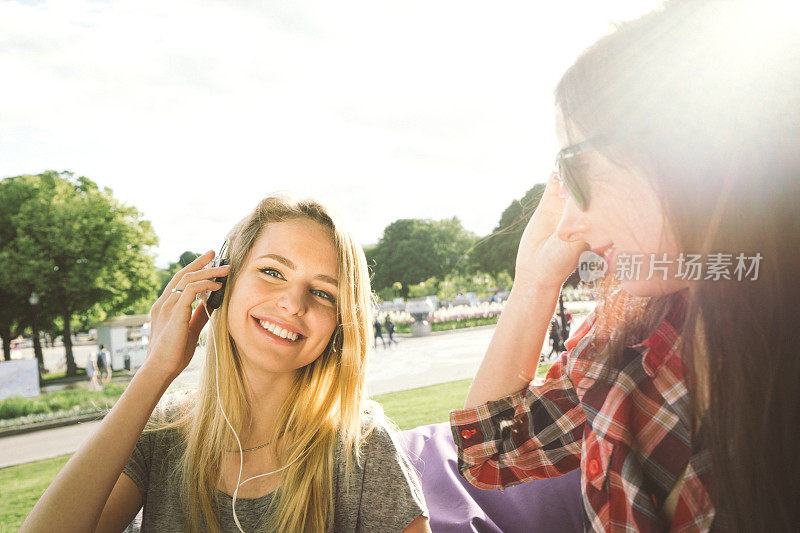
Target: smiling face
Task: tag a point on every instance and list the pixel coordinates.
(282, 311)
(624, 217)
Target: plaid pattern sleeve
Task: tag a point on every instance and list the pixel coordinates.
(534, 433)
(626, 423)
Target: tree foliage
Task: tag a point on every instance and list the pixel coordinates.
(414, 250)
(498, 252)
(82, 251)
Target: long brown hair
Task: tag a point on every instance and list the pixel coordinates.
(703, 99)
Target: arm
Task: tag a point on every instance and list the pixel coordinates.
(80, 491)
(544, 261)
(90, 489)
(511, 431)
(513, 354)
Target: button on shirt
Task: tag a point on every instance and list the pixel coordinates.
(630, 434)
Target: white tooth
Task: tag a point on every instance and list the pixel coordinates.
(292, 336)
(277, 331)
(284, 334)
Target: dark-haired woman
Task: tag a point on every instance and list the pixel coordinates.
(679, 397)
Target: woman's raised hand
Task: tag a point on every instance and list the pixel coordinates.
(174, 328)
(543, 259)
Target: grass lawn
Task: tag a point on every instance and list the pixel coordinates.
(55, 376)
(428, 405)
(21, 486)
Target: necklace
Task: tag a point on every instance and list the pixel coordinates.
(251, 449)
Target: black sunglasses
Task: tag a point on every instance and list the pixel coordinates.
(578, 190)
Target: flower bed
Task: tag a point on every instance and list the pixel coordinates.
(445, 318)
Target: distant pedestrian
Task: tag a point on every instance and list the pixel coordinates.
(390, 330)
(104, 364)
(567, 326)
(378, 333)
(555, 336)
(92, 372)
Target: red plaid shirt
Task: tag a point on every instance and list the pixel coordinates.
(631, 437)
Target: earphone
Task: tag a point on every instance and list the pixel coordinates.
(215, 298)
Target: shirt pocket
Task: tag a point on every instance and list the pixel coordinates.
(596, 460)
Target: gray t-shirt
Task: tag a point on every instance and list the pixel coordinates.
(384, 493)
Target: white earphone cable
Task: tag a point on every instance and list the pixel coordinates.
(239, 481)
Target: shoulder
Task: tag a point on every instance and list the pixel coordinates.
(175, 404)
(170, 418)
(379, 454)
(160, 445)
(385, 494)
(377, 432)
(380, 435)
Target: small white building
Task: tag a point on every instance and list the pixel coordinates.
(125, 338)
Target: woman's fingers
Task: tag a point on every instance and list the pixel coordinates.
(195, 265)
(553, 198)
(200, 275)
(190, 292)
(171, 295)
(541, 256)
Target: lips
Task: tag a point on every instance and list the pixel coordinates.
(604, 251)
(276, 331)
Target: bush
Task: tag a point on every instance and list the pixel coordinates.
(63, 401)
(423, 289)
(17, 406)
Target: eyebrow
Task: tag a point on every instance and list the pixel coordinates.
(289, 264)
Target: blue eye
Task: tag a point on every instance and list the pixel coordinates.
(323, 294)
(271, 272)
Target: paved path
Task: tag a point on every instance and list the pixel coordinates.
(412, 363)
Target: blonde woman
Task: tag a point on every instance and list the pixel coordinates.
(285, 367)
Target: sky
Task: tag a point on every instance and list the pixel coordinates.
(194, 111)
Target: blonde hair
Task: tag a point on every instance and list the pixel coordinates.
(324, 404)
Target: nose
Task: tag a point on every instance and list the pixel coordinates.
(293, 300)
(573, 225)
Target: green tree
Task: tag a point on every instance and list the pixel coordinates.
(413, 250)
(454, 284)
(504, 281)
(81, 250)
(17, 313)
(498, 251)
(11, 324)
(423, 288)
